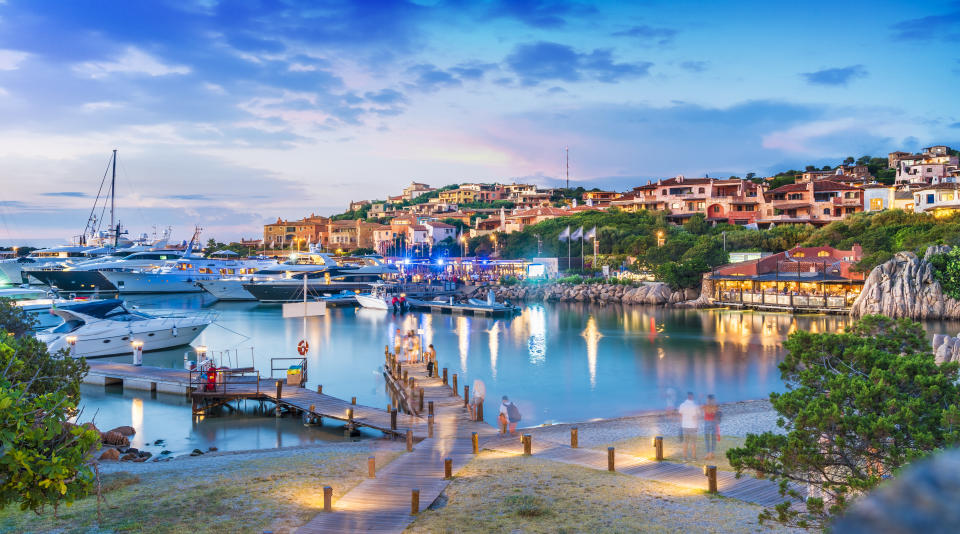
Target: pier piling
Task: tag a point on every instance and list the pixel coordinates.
(448, 468)
(610, 466)
(327, 499)
(574, 438)
(658, 448)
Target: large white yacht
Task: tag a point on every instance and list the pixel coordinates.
(314, 264)
(182, 275)
(13, 268)
(107, 328)
(86, 276)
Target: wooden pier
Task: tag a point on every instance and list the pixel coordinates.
(246, 384)
(471, 309)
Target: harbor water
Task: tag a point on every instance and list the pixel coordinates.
(558, 362)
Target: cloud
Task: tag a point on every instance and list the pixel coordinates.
(542, 61)
(648, 34)
(934, 27)
(429, 78)
(11, 59)
(69, 194)
(539, 13)
(835, 77)
(93, 107)
(955, 125)
(695, 66)
(188, 197)
(473, 70)
(385, 96)
(132, 61)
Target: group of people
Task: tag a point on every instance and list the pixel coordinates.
(691, 415)
(408, 348)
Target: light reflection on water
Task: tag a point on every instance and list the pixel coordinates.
(559, 362)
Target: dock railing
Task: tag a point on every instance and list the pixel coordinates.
(223, 378)
(278, 364)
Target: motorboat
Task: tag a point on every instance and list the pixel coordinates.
(87, 276)
(41, 309)
(343, 298)
(313, 264)
(108, 327)
(383, 296)
(182, 275)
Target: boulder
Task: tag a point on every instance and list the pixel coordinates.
(110, 454)
(129, 456)
(905, 286)
(124, 430)
(114, 438)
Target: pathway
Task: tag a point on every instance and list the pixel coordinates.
(383, 504)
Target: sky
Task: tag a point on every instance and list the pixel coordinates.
(231, 114)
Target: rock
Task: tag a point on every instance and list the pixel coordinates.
(124, 430)
(906, 287)
(132, 450)
(145, 454)
(159, 442)
(165, 451)
(110, 454)
(114, 438)
(196, 452)
(213, 449)
(128, 456)
(140, 459)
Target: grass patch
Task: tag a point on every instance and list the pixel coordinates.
(673, 450)
(502, 493)
(209, 495)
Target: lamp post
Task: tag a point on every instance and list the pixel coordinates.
(201, 355)
(72, 342)
(660, 240)
(137, 352)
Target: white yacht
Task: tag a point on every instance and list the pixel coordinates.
(182, 275)
(231, 287)
(86, 276)
(13, 269)
(381, 297)
(107, 328)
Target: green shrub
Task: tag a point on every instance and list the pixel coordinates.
(946, 269)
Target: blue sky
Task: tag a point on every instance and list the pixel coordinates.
(228, 114)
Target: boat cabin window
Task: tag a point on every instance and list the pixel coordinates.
(68, 326)
(184, 266)
(205, 270)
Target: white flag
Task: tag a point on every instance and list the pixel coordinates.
(564, 235)
(577, 234)
(591, 233)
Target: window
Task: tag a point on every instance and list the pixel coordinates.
(715, 209)
(823, 254)
(701, 190)
(795, 196)
(930, 198)
(876, 204)
(798, 255)
(826, 211)
(946, 197)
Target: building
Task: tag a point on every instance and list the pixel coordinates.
(599, 198)
(727, 200)
(935, 165)
(802, 278)
(356, 205)
(940, 200)
(818, 202)
(284, 234)
(519, 220)
(878, 197)
(473, 193)
(414, 190)
(439, 231)
(385, 239)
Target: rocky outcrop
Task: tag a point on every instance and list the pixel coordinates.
(124, 431)
(905, 287)
(946, 348)
(114, 438)
(656, 293)
(705, 299)
(110, 454)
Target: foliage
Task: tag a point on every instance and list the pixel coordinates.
(42, 456)
(214, 246)
(882, 234)
(946, 269)
(859, 405)
(363, 251)
(13, 320)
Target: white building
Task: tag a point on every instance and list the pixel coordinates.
(439, 231)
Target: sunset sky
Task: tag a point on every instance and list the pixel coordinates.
(229, 114)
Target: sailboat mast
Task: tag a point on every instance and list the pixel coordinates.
(566, 149)
(113, 192)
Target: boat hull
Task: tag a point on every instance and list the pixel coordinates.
(95, 342)
(11, 272)
(227, 289)
(292, 291)
(74, 281)
(132, 282)
(371, 302)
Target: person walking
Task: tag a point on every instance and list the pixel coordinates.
(431, 356)
(710, 427)
(509, 416)
(479, 391)
(689, 416)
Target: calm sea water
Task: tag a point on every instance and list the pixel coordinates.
(558, 362)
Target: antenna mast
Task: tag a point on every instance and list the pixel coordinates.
(566, 149)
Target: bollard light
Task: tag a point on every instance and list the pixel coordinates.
(137, 352)
(72, 342)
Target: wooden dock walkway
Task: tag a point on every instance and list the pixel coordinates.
(293, 398)
(383, 504)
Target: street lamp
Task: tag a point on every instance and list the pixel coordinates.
(72, 341)
(660, 240)
(463, 245)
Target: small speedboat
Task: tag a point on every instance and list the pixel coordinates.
(107, 327)
(383, 296)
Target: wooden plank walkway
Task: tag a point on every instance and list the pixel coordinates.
(383, 504)
(748, 489)
(247, 387)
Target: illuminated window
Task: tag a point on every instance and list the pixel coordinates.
(823, 253)
(798, 255)
(876, 204)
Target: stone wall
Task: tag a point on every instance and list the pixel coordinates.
(905, 287)
(652, 293)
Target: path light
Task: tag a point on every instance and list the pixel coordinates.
(660, 240)
(72, 341)
(137, 352)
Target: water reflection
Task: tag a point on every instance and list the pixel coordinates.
(592, 336)
(645, 351)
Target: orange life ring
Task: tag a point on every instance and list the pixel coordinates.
(303, 347)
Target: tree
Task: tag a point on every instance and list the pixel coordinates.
(859, 405)
(42, 456)
(848, 161)
(751, 175)
(697, 224)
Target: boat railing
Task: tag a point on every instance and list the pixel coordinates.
(285, 365)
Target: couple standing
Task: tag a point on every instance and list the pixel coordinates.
(689, 424)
